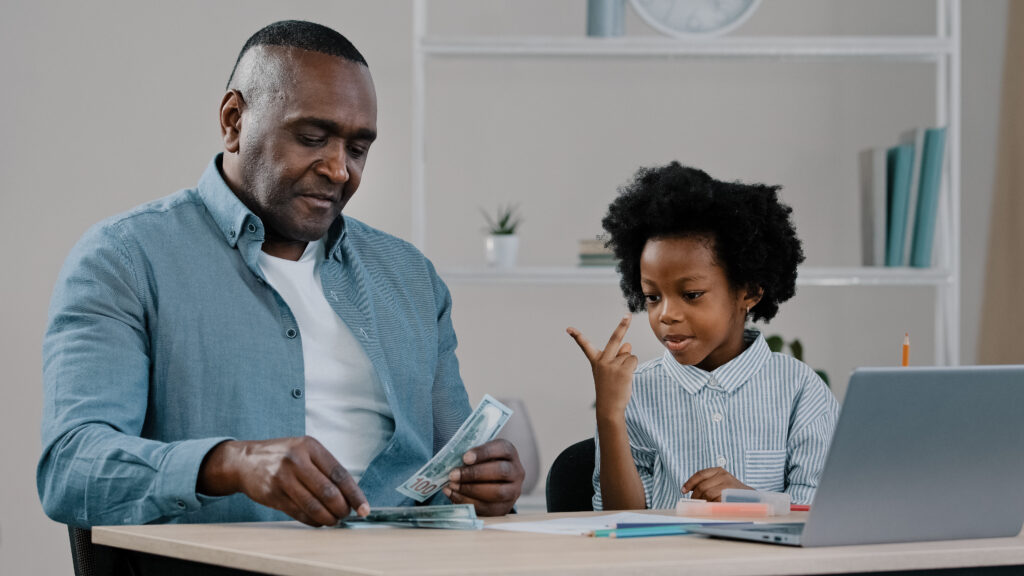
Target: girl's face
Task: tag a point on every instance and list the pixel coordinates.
(693, 310)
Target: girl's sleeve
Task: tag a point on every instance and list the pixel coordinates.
(811, 426)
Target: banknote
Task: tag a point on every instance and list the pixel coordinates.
(450, 512)
(482, 426)
(454, 517)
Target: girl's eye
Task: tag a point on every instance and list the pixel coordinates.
(692, 295)
(651, 298)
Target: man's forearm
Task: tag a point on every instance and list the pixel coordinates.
(217, 475)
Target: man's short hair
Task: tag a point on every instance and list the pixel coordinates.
(301, 34)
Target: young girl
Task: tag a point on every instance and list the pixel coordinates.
(718, 409)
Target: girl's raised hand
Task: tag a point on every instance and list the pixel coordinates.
(612, 367)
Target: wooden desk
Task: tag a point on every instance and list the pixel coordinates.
(294, 549)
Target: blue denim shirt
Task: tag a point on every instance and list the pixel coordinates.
(164, 339)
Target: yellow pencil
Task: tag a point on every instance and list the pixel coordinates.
(906, 349)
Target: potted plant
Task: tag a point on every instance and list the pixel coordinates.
(796, 349)
(502, 242)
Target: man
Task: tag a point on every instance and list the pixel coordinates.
(241, 349)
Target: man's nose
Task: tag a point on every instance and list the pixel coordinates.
(334, 165)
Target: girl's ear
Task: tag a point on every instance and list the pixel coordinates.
(751, 296)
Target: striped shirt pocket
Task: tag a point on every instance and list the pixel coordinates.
(765, 469)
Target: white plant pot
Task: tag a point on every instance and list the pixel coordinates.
(502, 250)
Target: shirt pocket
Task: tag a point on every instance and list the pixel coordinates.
(765, 469)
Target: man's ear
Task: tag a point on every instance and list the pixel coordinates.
(231, 107)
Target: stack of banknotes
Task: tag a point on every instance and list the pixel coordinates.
(453, 517)
(482, 426)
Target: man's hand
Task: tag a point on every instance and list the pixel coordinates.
(297, 476)
(613, 370)
(709, 483)
(491, 480)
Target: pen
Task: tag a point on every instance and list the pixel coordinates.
(906, 349)
(666, 530)
(799, 507)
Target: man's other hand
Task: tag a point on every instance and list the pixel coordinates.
(491, 480)
(297, 476)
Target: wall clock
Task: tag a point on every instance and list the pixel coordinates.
(694, 18)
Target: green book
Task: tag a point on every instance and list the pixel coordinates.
(928, 197)
(899, 168)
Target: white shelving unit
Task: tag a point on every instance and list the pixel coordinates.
(941, 49)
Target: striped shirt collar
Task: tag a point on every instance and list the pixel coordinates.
(729, 376)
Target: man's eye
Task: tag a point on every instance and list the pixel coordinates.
(651, 298)
(311, 140)
(356, 152)
(692, 295)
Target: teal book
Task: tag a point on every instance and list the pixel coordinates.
(913, 136)
(899, 169)
(928, 197)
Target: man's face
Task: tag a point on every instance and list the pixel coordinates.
(303, 144)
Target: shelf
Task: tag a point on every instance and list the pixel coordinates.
(608, 276)
(923, 48)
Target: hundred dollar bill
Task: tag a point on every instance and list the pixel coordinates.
(482, 426)
(454, 517)
(402, 513)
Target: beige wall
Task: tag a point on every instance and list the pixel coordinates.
(105, 104)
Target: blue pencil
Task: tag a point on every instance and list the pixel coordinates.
(666, 530)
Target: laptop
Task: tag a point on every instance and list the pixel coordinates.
(918, 454)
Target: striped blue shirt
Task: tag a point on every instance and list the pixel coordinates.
(765, 417)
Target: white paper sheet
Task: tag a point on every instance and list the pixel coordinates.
(586, 525)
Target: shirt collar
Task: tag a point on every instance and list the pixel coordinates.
(729, 376)
(234, 219)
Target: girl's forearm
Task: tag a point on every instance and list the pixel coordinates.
(621, 488)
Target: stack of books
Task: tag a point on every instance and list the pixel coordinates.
(594, 253)
(900, 198)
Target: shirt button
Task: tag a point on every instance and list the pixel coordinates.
(297, 393)
(291, 333)
(231, 233)
(721, 461)
(251, 228)
(180, 504)
(717, 417)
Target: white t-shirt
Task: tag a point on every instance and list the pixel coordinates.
(346, 409)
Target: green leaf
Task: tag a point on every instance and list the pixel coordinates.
(824, 377)
(775, 342)
(798, 350)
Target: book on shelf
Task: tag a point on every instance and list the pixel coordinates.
(934, 151)
(594, 253)
(914, 137)
(900, 188)
(873, 208)
(899, 165)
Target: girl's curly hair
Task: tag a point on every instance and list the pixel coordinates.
(752, 235)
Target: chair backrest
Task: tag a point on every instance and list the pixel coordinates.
(81, 551)
(93, 560)
(570, 485)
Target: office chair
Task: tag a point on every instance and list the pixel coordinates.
(93, 560)
(570, 485)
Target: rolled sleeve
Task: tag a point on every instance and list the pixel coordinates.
(95, 467)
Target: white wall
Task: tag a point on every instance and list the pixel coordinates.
(106, 104)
